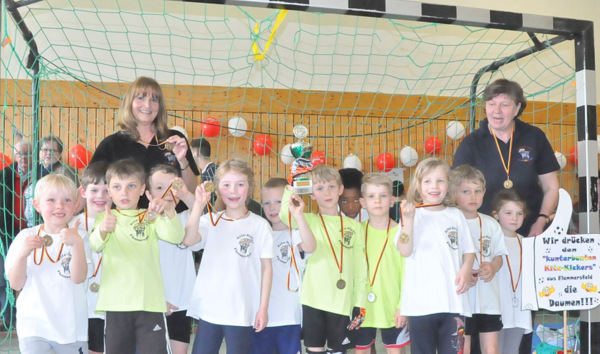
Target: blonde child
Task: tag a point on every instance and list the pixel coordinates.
(283, 332)
(50, 256)
(231, 293)
(468, 184)
(176, 260)
(439, 251)
(95, 192)
(131, 292)
(509, 208)
(335, 279)
(385, 268)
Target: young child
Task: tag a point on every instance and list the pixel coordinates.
(509, 208)
(283, 332)
(349, 202)
(385, 268)
(176, 261)
(231, 293)
(95, 192)
(468, 185)
(50, 256)
(439, 251)
(334, 285)
(131, 292)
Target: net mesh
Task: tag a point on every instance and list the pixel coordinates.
(362, 86)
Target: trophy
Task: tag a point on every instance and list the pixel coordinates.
(301, 166)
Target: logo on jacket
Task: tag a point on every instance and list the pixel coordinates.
(525, 154)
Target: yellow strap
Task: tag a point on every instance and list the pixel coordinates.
(280, 16)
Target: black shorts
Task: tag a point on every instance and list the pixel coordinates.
(481, 323)
(325, 329)
(179, 326)
(391, 337)
(96, 334)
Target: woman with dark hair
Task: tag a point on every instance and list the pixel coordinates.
(512, 154)
(145, 136)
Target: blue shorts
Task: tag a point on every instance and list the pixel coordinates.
(279, 339)
(443, 332)
(391, 337)
(209, 338)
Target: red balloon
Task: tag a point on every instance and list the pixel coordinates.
(433, 145)
(574, 155)
(211, 127)
(385, 162)
(79, 156)
(4, 161)
(263, 145)
(318, 158)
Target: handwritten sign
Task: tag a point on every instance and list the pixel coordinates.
(561, 271)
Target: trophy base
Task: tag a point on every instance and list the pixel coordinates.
(303, 186)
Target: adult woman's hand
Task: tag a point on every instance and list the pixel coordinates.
(549, 184)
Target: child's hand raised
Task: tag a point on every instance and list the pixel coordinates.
(179, 188)
(109, 222)
(31, 242)
(70, 235)
(203, 195)
(297, 205)
(408, 209)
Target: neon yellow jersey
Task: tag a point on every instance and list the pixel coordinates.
(320, 285)
(387, 283)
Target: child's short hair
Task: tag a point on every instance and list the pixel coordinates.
(351, 178)
(376, 179)
(55, 181)
(94, 173)
(466, 173)
(276, 182)
(423, 168)
(325, 173)
(126, 168)
(237, 165)
(508, 195)
(203, 147)
(164, 168)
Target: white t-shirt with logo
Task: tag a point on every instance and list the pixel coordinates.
(227, 288)
(50, 305)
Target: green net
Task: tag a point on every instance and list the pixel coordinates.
(362, 86)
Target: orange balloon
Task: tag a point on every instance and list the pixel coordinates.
(79, 156)
(4, 161)
(211, 127)
(318, 158)
(385, 162)
(433, 145)
(574, 155)
(263, 145)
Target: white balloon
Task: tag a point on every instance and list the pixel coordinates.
(561, 158)
(409, 156)
(181, 130)
(286, 154)
(352, 161)
(455, 130)
(237, 126)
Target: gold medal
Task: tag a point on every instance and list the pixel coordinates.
(508, 184)
(169, 146)
(371, 297)
(150, 217)
(177, 185)
(404, 238)
(94, 287)
(48, 240)
(210, 187)
(341, 284)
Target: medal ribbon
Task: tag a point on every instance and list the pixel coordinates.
(339, 264)
(512, 282)
(293, 262)
(372, 281)
(150, 143)
(213, 222)
(45, 251)
(480, 242)
(506, 167)
(422, 205)
(141, 215)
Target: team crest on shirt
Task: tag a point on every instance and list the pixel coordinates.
(140, 231)
(65, 265)
(348, 238)
(170, 158)
(525, 154)
(486, 246)
(452, 235)
(243, 248)
(284, 252)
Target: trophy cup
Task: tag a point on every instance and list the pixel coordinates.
(301, 166)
